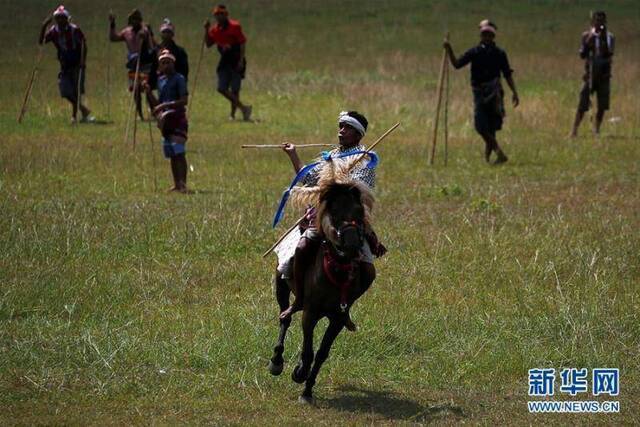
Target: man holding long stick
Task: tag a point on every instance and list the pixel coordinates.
(488, 62)
(169, 109)
(597, 50)
(138, 37)
(167, 34)
(298, 251)
(71, 45)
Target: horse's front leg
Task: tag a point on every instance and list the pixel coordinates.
(276, 364)
(301, 371)
(336, 323)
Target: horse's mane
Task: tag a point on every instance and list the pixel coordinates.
(333, 173)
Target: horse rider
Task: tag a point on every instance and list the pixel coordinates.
(352, 127)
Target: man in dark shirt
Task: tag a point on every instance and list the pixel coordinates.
(71, 45)
(167, 32)
(488, 62)
(596, 49)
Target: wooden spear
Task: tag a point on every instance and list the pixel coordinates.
(446, 114)
(440, 85)
(280, 145)
(80, 72)
(195, 79)
(32, 78)
(351, 166)
(132, 104)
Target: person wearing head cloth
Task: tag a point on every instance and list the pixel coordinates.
(167, 34)
(138, 37)
(71, 45)
(169, 110)
(488, 64)
(231, 42)
(352, 127)
(596, 49)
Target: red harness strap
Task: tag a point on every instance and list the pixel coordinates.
(339, 274)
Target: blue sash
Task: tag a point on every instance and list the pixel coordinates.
(326, 156)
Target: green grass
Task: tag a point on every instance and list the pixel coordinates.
(121, 304)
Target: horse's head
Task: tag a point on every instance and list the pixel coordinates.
(344, 207)
(341, 218)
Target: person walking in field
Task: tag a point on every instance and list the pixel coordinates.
(488, 63)
(71, 45)
(138, 37)
(169, 108)
(227, 35)
(167, 33)
(596, 49)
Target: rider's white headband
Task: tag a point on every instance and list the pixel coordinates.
(344, 117)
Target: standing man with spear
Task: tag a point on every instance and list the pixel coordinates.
(138, 37)
(169, 109)
(597, 50)
(488, 62)
(297, 252)
(71, 45)
(167, 34)
(231, 42)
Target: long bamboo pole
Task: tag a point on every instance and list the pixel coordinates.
(195, 78)
(153, 158)
(446, 114)
(437, 119)
(108, 50)
(351, 166)
(80, 73)
(32, 78)
(280, 145)
(132, 111)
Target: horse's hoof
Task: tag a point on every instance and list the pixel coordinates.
(297, 377)
(306, 400)
(275, 369)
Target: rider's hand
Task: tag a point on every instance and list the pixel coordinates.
(446, 44)
(515, 100)
(112, 18)
(158, 108)
(289, 148)
(207, 24)
(379, 250)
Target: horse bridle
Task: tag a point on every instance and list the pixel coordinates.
(359, 227)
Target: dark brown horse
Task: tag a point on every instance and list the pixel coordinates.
(332, 281)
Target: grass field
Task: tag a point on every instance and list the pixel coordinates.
(121, 304)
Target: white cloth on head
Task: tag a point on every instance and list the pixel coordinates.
(344, 117)
(61, 11)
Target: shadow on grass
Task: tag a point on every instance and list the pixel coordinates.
(390, 405)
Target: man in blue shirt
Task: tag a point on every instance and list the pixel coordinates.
(488, 62)
(169, 109)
